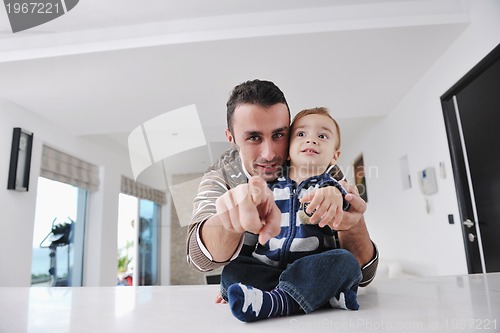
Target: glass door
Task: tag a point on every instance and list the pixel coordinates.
(58, 236)
(148, 243)
(138, 243)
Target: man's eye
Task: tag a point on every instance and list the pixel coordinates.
(278, 135)
(254, 138)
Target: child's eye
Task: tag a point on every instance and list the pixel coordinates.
(322, 136)
(300, 133)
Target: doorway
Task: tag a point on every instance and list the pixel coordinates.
(58, 237)
(138, 241)
(471, 110)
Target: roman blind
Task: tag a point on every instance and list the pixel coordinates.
(65, 168)
(142, 191)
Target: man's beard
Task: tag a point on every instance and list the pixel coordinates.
(257, 170)
(275, 171)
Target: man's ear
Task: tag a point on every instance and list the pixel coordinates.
(229, 136)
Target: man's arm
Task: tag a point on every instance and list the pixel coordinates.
(222, 244)
(357, 240)
(248, 207)
(353, 234)
(213, 235)
(213, 185)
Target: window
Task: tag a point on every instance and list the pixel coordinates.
(148, 243)
(58, 236)
(138, 241)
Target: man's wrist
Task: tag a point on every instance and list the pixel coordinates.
(370, 268)
(224, 248)
(357, 240)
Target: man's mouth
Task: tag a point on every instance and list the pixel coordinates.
(267, 167)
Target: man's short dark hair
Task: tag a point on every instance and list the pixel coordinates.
(260, 92)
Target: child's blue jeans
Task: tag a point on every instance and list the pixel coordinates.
(311, 281)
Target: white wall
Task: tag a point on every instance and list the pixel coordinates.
(18, 208)
(397, 220)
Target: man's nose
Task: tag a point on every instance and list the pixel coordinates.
(268, 151)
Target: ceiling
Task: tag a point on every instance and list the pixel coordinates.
(106, 67)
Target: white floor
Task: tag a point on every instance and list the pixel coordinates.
(438, 304)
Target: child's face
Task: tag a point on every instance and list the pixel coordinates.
(313, 142)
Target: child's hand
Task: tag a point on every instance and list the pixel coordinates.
(326, 204)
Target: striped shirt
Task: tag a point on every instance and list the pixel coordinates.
(226, 173)
(297, 238)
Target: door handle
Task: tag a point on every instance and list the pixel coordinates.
(472, 237)
(468, 223)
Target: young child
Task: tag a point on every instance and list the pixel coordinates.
(308, 197)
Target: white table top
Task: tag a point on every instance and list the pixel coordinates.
(438, 304)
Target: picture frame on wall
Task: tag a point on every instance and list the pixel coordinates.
(20, 160)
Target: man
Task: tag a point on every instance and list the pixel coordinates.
(232, 207)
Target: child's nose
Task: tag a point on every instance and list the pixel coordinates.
(312, 141)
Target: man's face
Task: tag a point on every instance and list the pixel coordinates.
(261, 135)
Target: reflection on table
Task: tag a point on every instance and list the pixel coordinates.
(447, 303)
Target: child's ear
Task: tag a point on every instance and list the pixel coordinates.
(335, 157)
(229, 136)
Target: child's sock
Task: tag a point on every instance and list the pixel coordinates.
(251, 304)
(346, 300)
